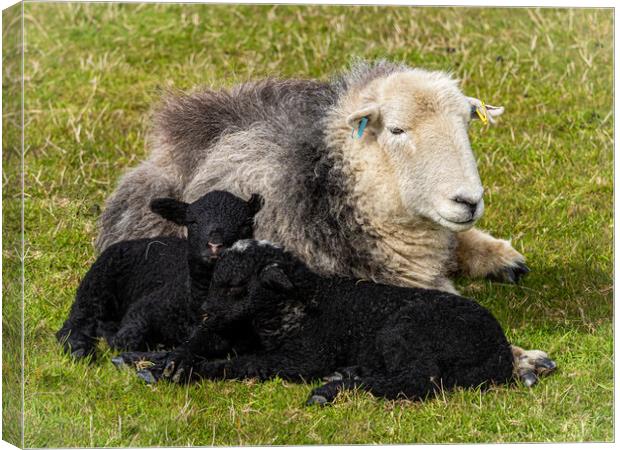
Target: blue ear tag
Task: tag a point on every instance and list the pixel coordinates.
(360, 130)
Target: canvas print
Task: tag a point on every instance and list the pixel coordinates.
(236, 225)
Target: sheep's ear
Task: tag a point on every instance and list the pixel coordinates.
(369, 112)
(255, 203)
(491, 111)
(273, 277)
(170, 209)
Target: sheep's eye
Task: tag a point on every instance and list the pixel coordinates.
(396, 130)
(235, 290)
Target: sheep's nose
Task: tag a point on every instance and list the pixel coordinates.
(215, 248)
(467, 202)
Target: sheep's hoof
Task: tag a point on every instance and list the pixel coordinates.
(317, 400)
(511, 274)
(119, 362)
(530, 365)
(129, 359)
(344, 373)
(147, 376)
(169, 369)
(80, 353)
(177, 377)
(336, 376)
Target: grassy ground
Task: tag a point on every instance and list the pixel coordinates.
(92, 71)
(11, 220)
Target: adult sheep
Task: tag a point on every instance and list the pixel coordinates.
(396, 205)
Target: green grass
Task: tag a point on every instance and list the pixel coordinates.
(93, 71)
(11, 235)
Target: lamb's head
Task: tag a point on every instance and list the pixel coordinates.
(214, 221)
(254, 280)
(417, 122)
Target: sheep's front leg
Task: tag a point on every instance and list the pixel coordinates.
(203, 343)
(261, 366)
(327, 393)
(135, 327)
(529, 365)
(480, 255)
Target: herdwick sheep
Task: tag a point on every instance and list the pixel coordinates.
(393, 200)
(391, 341)
(146, 292)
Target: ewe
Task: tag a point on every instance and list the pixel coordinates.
(394, 202)
(392, 341)
(146, 292)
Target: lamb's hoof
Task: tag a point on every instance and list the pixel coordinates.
(169, 369)
(316, 399)
(174, 373)
(511, 274)
(178, 367)
(147, 376)
(178, 376)
(532, 364)
(336, 376)
(344, 373)
(80, 353)
(119, 362)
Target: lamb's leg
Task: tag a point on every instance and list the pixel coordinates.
(530, 365)
(134, 331)
(93, 305)
(261, 366)
(153, 361)
(416, 381)
(327, 393)
(127, 214)
(344, 373)
(78, 339)
(479, 254)
(203, 343)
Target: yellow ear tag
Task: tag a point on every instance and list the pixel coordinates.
(482, 113)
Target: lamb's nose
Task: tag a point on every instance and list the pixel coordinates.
(215, 248)
(468, 203)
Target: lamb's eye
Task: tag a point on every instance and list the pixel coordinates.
(396, 130)
(235, 290)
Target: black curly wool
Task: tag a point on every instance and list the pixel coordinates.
(392, 341)
(142, 293)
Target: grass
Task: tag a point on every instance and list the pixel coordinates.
(91, 74)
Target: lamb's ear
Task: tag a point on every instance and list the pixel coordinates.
(370, 112)
(170, 209)
(273, 277)
(255, 203)
(491, 111)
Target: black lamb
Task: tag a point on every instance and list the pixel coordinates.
(144, 293)
(392, 341)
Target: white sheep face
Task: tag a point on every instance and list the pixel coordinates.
(419, 121)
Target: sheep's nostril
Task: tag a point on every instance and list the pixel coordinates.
(472, 206)
(215, 248)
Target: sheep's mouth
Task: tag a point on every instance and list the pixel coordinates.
(464, 222)
(455, 225)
